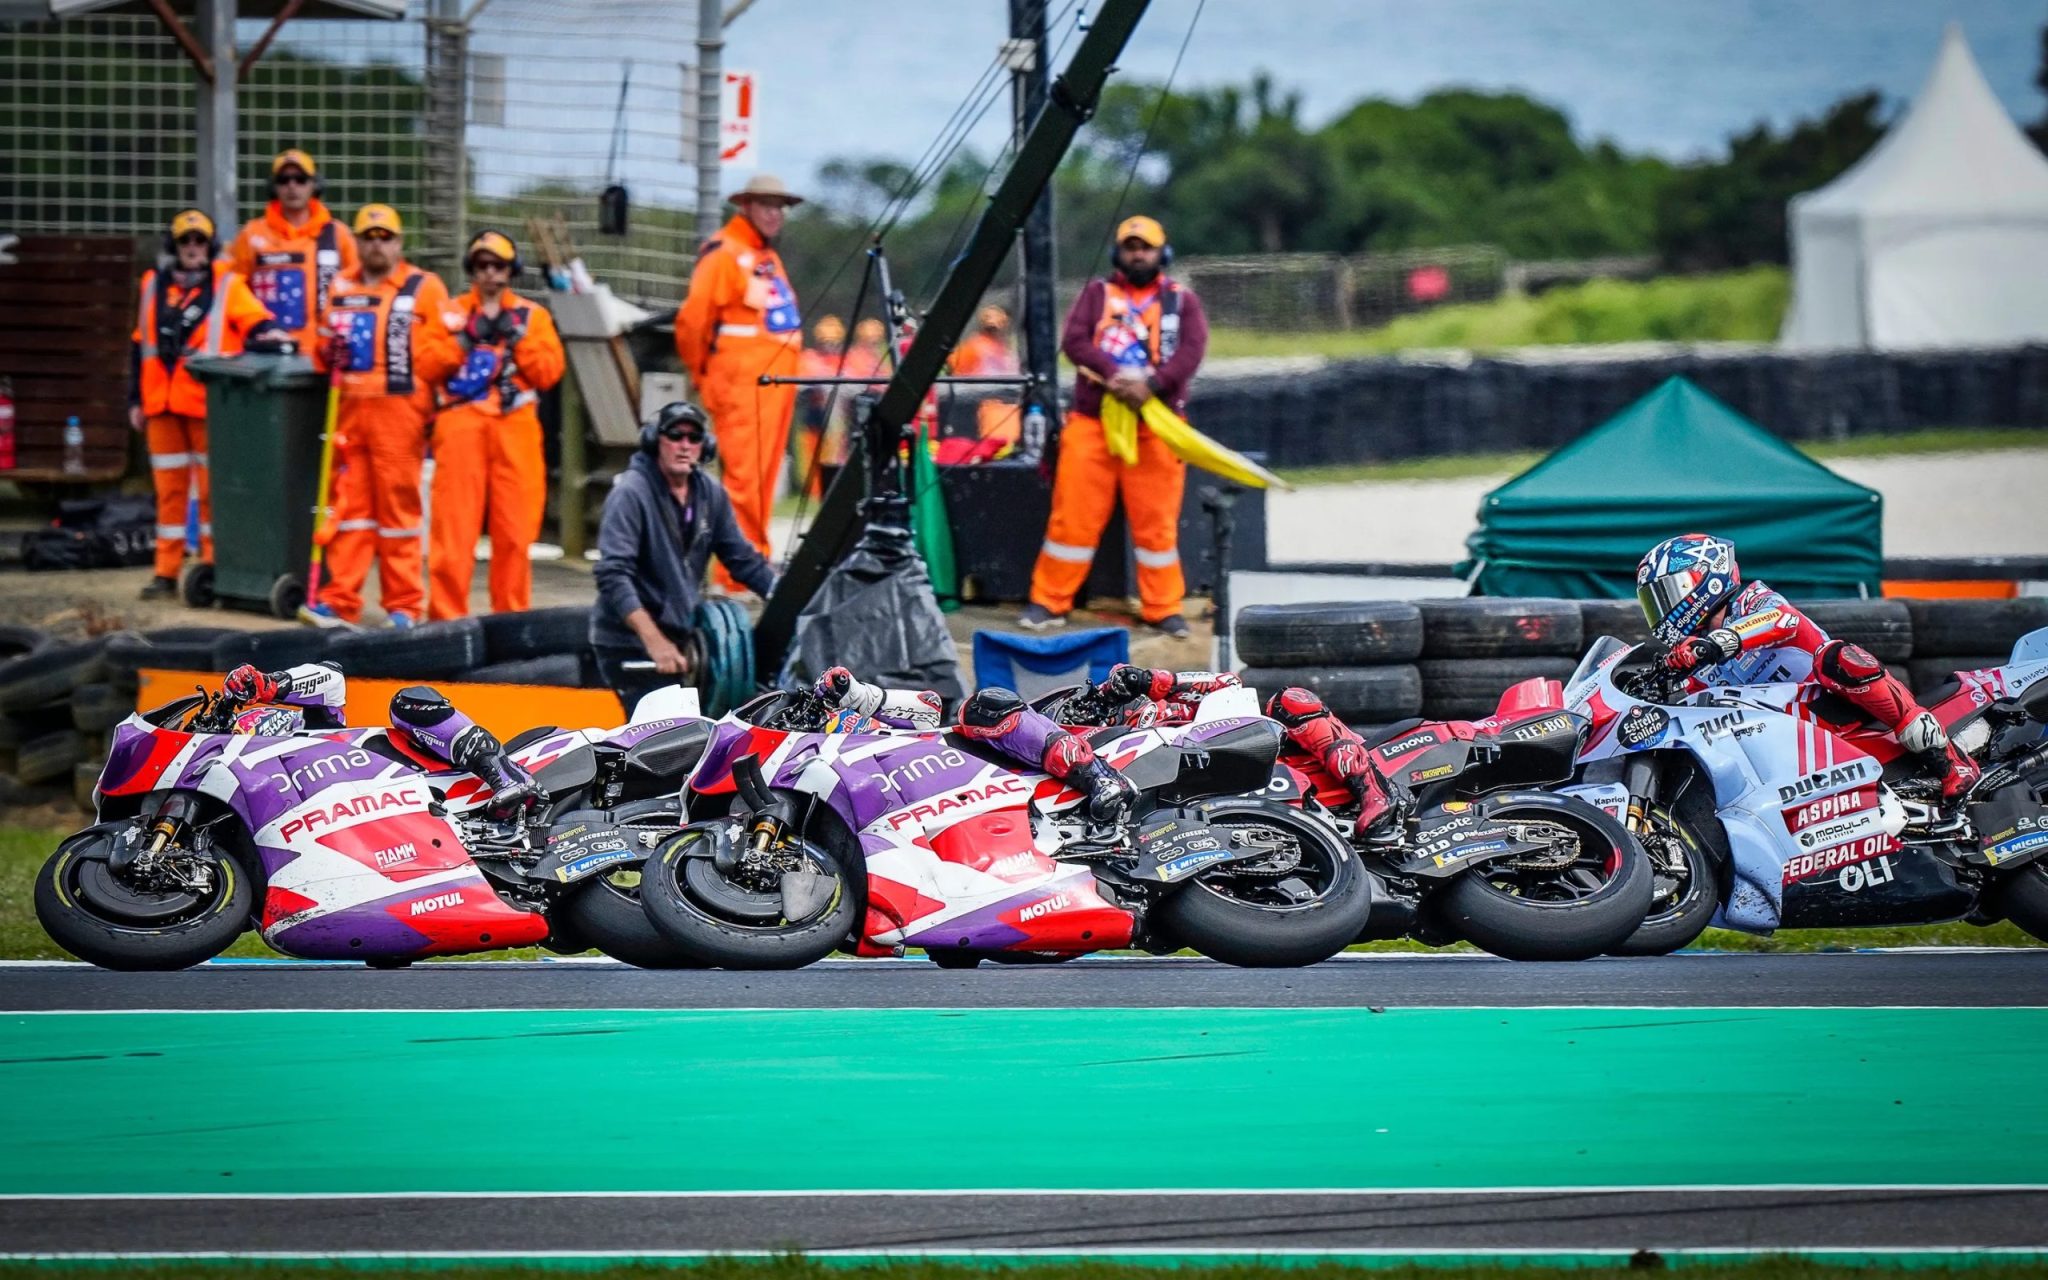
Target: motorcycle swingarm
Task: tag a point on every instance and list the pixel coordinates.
(1174, 844)
(1450, 844)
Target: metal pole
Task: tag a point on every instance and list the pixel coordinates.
(1039, 325)
(214, 159)
(447, 177)
(575, 534)
(710, 94)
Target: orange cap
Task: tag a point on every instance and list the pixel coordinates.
(1140, 227)
(186, 221)
(868, 330)
(378, 217)
(293, 159)
(829, 329)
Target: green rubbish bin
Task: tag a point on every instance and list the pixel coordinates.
(264, 418)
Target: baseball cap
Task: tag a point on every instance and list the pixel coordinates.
(378, 217)
(1140, 227)
(186, 221)
(293, 159)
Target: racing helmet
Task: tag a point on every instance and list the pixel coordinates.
(1683, 580)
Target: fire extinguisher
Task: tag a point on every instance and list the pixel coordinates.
(6, 425)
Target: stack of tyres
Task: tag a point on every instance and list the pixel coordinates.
(43, 747)
(1359, 657)
(1966, 635)
(1474, 648)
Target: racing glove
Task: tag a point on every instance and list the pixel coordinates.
(842, 691)
(1718, 645)
(245, 684)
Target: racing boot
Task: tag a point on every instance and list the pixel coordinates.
(1312, 727)
(1924, 737)
(1071, 758)
(431, 723)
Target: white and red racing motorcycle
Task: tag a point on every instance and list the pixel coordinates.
(1779, 806)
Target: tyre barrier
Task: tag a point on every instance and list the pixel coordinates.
(1379, 661)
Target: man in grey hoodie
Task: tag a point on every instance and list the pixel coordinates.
(663, 521)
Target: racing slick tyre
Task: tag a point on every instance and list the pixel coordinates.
(430, 651)
(1622, 619)
(1974, 626)
(2023, 899)
(1247, 914)
(535, 633)
(1590, 906)
(102, 918)
(1470, 688)
(1478, 627)
(27, 683)
(1684, 890)
(1359, 695)
(743, 921)
(606, 912)
(1884, 627)
(1328, 635)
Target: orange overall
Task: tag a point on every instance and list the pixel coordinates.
(174, 402)
(385, 406)
(739, 321)
(488, 466)
(1158, 330)
(984, 353)
(292, 266)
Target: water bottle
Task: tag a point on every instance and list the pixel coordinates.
(74, 447)
(1032, 442)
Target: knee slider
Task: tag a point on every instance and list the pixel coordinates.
(420, 705)
(1850, 665)
(990, 711)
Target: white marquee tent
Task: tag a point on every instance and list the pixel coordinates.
(1937, 238)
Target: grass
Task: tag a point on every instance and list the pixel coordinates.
(1734, 306)
(797, 1267)
(24, 849)
(1466, 466)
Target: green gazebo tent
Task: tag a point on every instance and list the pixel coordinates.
(1675, 461)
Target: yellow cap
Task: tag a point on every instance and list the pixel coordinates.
(1140, 227)
(496, 243)
(186, 221)
(868, 330)
(293, 159)
(378, 217)
(829, 329)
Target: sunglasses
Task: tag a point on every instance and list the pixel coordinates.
(291, 180)
(489, 264)
(378, 235)
(193, 237)
(681, 434)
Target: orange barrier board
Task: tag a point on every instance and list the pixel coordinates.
(1960, 589)
(504, 709)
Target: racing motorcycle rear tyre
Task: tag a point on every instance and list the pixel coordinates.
(599, 915)
(1254, 937)
(111, 944)
(2023, 899)
(728, 944)
(1521, 928)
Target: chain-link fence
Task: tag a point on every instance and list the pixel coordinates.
(97, 127)
(1312, 291)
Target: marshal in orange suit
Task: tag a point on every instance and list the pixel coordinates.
(739, 321)
(385, 328)
(488, 468)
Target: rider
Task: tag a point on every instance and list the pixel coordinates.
(1004, 721)
(422, 719)
(1141, 697)
(1722, 632)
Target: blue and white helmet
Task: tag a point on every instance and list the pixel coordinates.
(1683, 580)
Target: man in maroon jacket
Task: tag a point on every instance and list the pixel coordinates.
(1136, 335)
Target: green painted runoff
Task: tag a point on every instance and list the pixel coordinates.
(884, 1099)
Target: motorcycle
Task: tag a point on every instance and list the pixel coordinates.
(883, 841)
(1489, 852)
(344, 844)
(1779, 806)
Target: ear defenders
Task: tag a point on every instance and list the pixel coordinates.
(498, 245)
(671, 414)
(186, 220)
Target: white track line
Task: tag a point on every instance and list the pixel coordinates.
(1165, 1251)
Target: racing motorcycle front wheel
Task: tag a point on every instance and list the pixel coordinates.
(170, 911)
(1686, 884)
(1302, 900)
(782, 907)
(1583, 895)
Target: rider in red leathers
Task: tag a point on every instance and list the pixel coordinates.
(1721, 632)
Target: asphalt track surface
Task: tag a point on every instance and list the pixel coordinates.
(1880, 1219)
(1948, 978)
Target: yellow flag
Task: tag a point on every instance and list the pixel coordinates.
(1196, 449)
(1120, 430)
